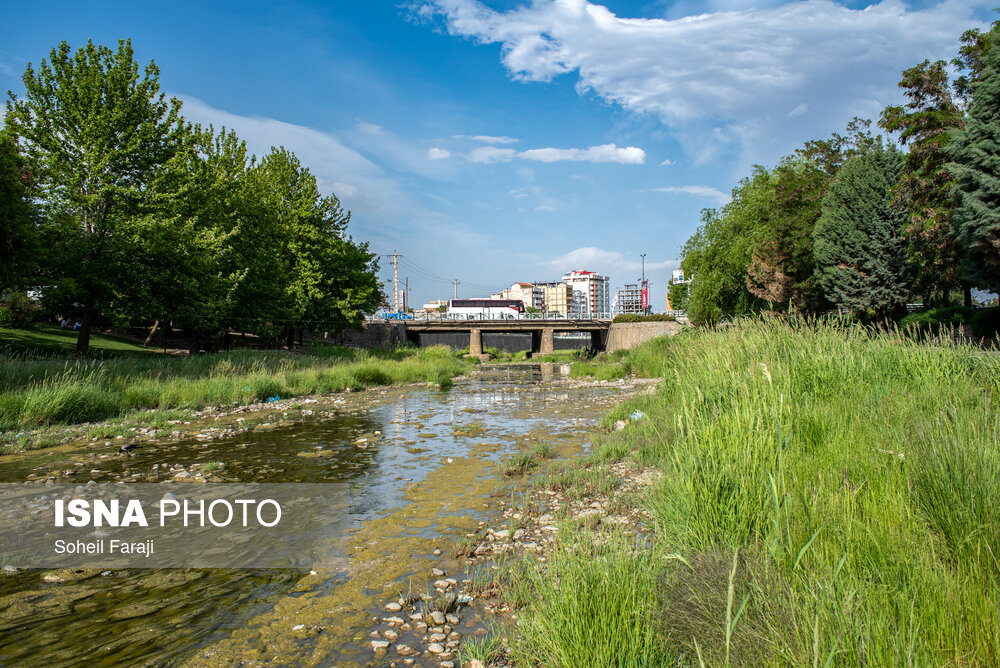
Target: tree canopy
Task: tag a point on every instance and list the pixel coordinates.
(145, 217)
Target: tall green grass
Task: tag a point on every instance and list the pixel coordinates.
(48, 392)
(855, 473)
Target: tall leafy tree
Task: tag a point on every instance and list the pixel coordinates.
(18, 219)
(781, 269)
(716, 257)
(975, 166)
(859, 249)
(925, 126)
(95, 131)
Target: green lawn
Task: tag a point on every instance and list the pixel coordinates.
(48, 340)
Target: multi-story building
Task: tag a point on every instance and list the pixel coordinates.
(557, 297)
(532, 295)
(595, 295)
(628, 300)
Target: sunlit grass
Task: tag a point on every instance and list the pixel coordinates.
(836, 487)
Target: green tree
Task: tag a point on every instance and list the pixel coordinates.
(716, 257)
(782, 269)
(925, 126)
(975, 166)
(19, 248)
(95, 131)
(859, 250)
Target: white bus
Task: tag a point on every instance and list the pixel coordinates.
(485, 309)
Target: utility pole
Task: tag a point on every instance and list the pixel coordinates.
(406, 294)
(643, 256)
(395, 281)
(456, 288)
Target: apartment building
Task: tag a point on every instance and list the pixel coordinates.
(528, 293)
(594, 300)
(557, 297)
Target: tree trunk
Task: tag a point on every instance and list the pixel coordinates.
(289, 338)
(967, 294)
(83, 338)
(152, 331)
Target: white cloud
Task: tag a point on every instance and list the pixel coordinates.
(370, 128)
(798, 111)
(701, 192)
(488, 155)
(385, 213)
(728, 70)
(667, 163)
(436, 153)
(629, 155)
(609, 263)
(488, 139)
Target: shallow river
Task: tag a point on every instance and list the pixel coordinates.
(420, 464)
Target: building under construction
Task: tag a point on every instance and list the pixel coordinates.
(633, 298)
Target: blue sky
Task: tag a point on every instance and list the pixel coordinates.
(502, 141)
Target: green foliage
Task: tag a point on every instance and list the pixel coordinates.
(855, 472)
(651, 317)
(986, 321)
(781, 269)
(932, 320)
(593, 604)
(37, 393)
(95, 133)
(18, 219)
(975, 166)
(925, 126)
(677, 293)
(142, 217)
(717, 255)
(860, 253)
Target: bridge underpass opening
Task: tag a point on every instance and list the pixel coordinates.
(502, 341)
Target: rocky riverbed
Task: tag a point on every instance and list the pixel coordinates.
(424, 469)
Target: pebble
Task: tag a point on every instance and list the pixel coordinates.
(435, 648)
(10, 570)
(441, 584)
(390, 635)
(53, 578)
(437, 552)
(438, 637)
(437, 572)
(452, 619)
(380, 644)
(298, 627)
(404, 650)
(393, 607)
(438, 618)
(393, 620)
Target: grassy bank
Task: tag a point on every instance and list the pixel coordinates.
(41, 340)
(822, 496)
(38, 393)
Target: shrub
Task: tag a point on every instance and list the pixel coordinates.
(652, 317)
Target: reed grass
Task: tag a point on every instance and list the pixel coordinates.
(832, 494)
(36, 393)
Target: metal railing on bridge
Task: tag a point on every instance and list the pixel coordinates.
(484, 317)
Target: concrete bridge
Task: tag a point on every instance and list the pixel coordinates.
(542, 331)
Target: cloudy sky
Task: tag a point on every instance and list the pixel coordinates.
(509, 140)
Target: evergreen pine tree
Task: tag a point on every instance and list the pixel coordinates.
(975, 166)
(858, 244)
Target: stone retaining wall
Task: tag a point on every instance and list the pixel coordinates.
(625, 335)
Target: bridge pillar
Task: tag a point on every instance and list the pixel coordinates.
(476, 342)
(547, 343)
(599, 339)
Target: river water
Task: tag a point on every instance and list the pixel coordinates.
(420, 464)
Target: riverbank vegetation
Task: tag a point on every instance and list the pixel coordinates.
(119, 212)
(40, 393)
(819, 494)
(856, 224)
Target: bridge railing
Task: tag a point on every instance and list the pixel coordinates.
(482, 317)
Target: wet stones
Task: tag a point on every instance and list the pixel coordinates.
(393, 607)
